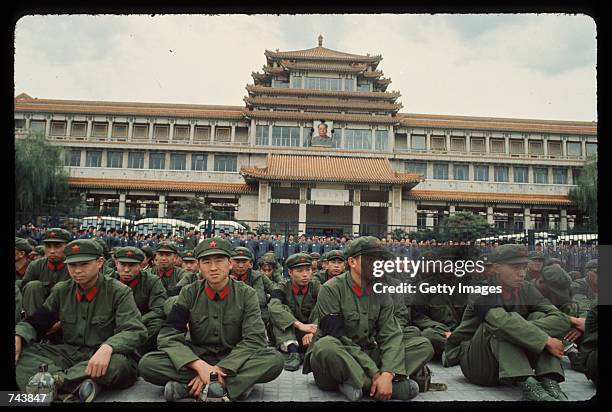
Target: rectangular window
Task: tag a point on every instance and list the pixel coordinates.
(559, 176)
(500, 173)
(349, 85)
(540, 175)
(19, 124)
(517, 147)
(198, 161)
(296, 82)
(225, 163)
(280, 83)
(140, 131)
(591, 149)
(78, 129)
(576, 174)
(497, 146)
(178, 161)
(554, 149)
(161, 131)
(136, 160)
(440, 171)
(520, 174)
(261, 135)
(360, 139)
(73, 158)
(99, 129)
(120, 130)
(202, 133)
(417, 167)
(322, 83)
(536, 148)
(438, 143)
(481, 173)
(574, 149)
(477, 145)
(461, 172)
(417, 142)
(458, 144)
(93, 158)
(114, 159)
(363, 87)
(222, 134)
(181, 132)
(58, 128)
(285, 136)
(157, 160)
(37, 126)
(382, 140)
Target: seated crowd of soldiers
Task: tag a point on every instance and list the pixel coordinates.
(99, 319)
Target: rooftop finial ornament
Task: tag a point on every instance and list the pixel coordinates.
(320, 40)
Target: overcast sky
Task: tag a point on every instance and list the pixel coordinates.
(526, 66)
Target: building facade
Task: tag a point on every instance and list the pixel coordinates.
(270, 160)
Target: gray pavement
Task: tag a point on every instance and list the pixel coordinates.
(297, 387)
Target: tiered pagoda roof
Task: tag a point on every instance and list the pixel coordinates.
(322, 103)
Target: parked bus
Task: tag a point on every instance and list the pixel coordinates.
(228, 226)
(162, 226)
(106, 222)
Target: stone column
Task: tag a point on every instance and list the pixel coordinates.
(101, 204)
(356, 211)
(545, 145)
(373, 138)
(47, 127)
(451, 209)
(487, 144)
(429, 221)
(506, 145)
(530, 178)
(263, 210)
(301, 136)
(161, 208)
(563, 147)
(104, 157)
(448, 143)
(28, 123)
(252, 133)
(302, 211)
(68, 127)
(269, 135)
(83, 158)
(427, 142)
(130, 130)
(147, 158)
(122, 199)
(109, 132)
(233, 135)
(343, 137)
(171, 133)
(511, 173)
(124, 160)
(490, 217)
(191, 133)
(583, 148)
(151, 127)
(411, 214)
(394, 214)
(89, 127)
(471, 175)
(212, 133)
(391, 141)
(527, 223)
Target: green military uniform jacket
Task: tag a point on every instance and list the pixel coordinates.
(440, 312)
(369, 325)
(569, 307)
(169, 278)
(262, 285)
(187, 279)
(20, 273)
(149, 295)
(511, 317)
(584, 295)
(42, 270)
(322, 276)
(110, 317)
(230, 328)
(286, 306)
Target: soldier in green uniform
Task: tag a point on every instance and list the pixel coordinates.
(588, 346)
(165, 259)
(336, 264)
(22, 249)
(17, 304)
(149, 293)
(101, 329)
(110, 266)
(190, 264)
(497, 343)
(315, 257)
(585, 289)
(535, 265)
(192, 274)
(290, 307)
(226, 334)
(359, 344)
(269, 267)
(38, 252)
(43, 274)
(147, 264)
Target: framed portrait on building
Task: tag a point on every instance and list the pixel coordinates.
(322, 134)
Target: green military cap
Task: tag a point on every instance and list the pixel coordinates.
(166, 247)
(591, 265)
(213, 246)
(556, 280)
(56, 235)
(334, 254)
(32, 242)
(188, 255)
(536, 256)
(115, 249)
(242, 253)
(366, 245)
(269, 259)
(552, 261)
(82, 250)
(484, 257)
(148, 251)
(298, 259)
(102, 243)
(574, 274)
(129, 254)
(509, 254)
(22, 245)
(315, 255)
(40, 249)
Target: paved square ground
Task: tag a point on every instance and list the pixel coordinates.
(297, 387)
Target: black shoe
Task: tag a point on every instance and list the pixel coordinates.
(89, 390)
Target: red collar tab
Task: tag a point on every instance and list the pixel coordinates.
(508, 294)
(132, 283)
(242, 277)
(357, 290)
(22, 270)
(80, 294)
(217, 296)
(297, 291)
(57, 267)
(167, 274)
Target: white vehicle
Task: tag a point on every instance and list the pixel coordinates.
(228, 226)
(106, 222)
(162, 225)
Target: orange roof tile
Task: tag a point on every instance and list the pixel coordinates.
(312, 92)
(352, 104)
(326, 67)
(479, 197)
(316, 116)
(321, 53)
(134, 184)
(329, 169)
(275, 70)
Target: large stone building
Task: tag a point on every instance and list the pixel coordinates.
(260, 161)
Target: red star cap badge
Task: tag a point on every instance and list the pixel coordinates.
(76, 248)
(213, 244)
(241, 252)
(337, 252)
(52, 234)
(129, 253)
(302, 259)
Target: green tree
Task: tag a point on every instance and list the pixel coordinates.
(192, 210)
(585, 192)
(464, 226)
(41, 181)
